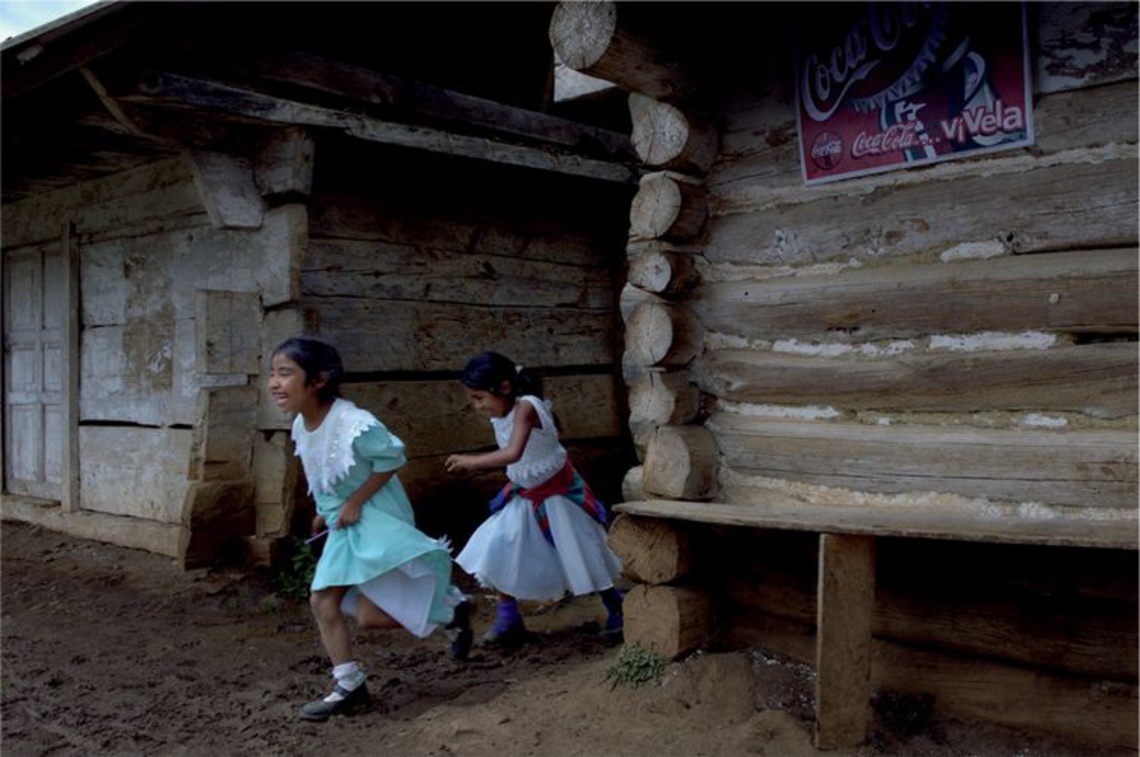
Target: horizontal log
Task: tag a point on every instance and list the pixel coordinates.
(631, 484)
(1091, 291)
(669, 621)
(662, 268)
(1096, 379)
(1095, 469)
(785, 513)
(284, 163)
(378, 270)
(663, 399)
(403, 100)
(595, 39)
(667, 138)
(658, 333)
(680, 463)
(1048, 207)
(759, 162)
(436, 417)
(1064, 60)
(406, 335)
(162, 89)
(652, 551)
(667, 206)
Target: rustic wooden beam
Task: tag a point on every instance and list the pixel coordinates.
(596, 39)
(781, 512)
(175, 91)
(1078, 468)
(668, 206)
(667, 138)
(1085, 291)
(1096, 379)
(397, 99)
(680, 463)
(226, 186)
(845, 600)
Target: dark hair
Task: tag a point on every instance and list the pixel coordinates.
(316, 359)
(488, 370)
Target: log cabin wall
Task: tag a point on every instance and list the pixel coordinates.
(959, 338)
(167, 347)
(415, 263)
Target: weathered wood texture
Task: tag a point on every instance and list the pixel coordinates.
(435, 417)
(136, 472)
(1068, 610)
(662, 268)
(1079, 468)
(661, 333)
(787, 514)
(669, 621)
(665, 137)
(843, 624)
(1096, 379)
(668, 206)
(1089, 291)
(597, 39)
(652, 551)
(680, 463)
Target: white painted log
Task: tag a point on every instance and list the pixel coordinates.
(661, 268)
(592, 38)
(633, 296)
(667, 138)
(668, 206)
(659, 333)
(680, 463)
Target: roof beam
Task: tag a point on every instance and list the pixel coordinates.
(163, 89)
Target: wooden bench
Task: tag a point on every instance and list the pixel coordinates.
(846, 580)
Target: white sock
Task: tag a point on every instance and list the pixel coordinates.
(348, 676)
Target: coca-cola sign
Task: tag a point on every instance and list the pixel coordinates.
(883, 85)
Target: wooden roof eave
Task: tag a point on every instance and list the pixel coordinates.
(501, 124)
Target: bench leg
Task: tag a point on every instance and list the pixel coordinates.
(844, 602)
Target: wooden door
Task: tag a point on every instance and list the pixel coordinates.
(34, 307)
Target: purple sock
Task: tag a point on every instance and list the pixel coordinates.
(507, 615)
(611, 598)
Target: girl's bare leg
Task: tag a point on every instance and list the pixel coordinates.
(369, 616)
(334, 630)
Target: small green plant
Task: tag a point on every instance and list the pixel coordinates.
(634, 667)
(292, 581)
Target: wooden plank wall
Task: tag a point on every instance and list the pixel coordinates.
(960, 336)
(415, 263)
(955, 329)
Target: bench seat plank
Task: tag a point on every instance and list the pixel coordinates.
(878, 521)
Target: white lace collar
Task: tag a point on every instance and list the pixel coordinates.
(326, 452)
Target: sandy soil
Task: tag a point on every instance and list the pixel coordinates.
(110, 651)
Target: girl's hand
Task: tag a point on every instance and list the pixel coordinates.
(349, 513)
(318, 524)
(457, 463)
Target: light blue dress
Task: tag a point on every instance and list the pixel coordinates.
(402, 570)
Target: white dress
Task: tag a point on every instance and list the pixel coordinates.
(509, 551)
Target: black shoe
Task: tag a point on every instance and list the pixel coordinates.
(459, 632)
(321, 710)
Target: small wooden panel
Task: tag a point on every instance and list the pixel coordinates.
(797, 516)
(228, 332)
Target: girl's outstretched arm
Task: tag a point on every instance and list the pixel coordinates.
(526, 418)
(350, 510)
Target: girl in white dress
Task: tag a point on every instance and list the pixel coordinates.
(546, 535)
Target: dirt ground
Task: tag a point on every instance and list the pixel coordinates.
(111, 651)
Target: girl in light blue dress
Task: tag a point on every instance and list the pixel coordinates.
(376, 565)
